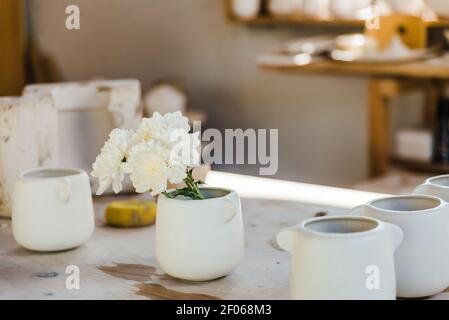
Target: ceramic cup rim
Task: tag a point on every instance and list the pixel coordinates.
(25, 175)
(378, 226)
(434, 209)
(230, 193)
(431, 181)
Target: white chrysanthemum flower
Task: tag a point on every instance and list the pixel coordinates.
(159, 128)
(150, 167)
(187, 148)
(108, 166)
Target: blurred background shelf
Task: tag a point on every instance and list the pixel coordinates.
(303, 20)
(295, 19)
(421, 166)
(428, 69)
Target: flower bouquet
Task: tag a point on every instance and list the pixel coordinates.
(199, 229)
(160, 151)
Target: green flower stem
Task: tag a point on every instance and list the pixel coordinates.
(191, 190)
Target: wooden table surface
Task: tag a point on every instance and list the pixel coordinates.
(120, 263)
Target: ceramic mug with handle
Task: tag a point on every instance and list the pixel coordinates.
(52, 209)
(200, 240)
(342, 257)
(422, 260)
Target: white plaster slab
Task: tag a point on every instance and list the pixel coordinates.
(28, 140)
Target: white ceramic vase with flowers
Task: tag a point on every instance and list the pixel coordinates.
(199, 229)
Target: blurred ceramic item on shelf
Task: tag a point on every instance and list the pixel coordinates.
(246, 9)
(164, 98)
(355, 42)
(382, 8)
(285, 7)
(349, 9)
(332, 258)
(353, 46)
(318, 9)
(273, 59)
(408, 7)
(439, 7)
(313, 45)
(414, 144)
(365, 50)
(29, 138)
(422, 260)
(88, 111)
(52, 209)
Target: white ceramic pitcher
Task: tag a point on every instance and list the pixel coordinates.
(422, 260)
(200, 240)
(342, 257)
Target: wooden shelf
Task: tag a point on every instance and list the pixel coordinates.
(303, 20)
(299, 20)
(422, 166)
(425, 69)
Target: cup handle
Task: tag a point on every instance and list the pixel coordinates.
(285, 238)
(65, 190)
(231, 208)
(358, 211)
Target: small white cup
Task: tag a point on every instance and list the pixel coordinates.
(52, 209)
(319, 9)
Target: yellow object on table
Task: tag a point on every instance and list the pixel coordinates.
(130, 214)
(412, 30)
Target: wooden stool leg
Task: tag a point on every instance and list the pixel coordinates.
(379, 128)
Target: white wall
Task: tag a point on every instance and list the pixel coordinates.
(322, 120)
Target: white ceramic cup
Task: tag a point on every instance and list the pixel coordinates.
(408, 7)
(200, 240)
(422, 260)
(342, 258)
(52, 209)
(348, 9)
(285, 7)
(436, 186)
(246, 9)
(319, 9)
